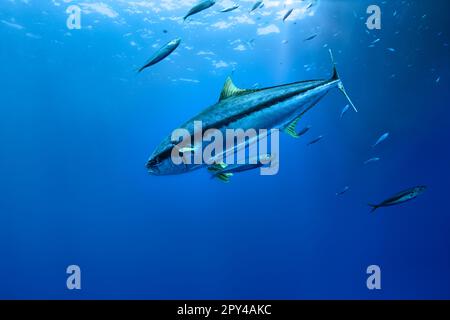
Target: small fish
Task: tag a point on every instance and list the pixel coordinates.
(257, 5)
(344, 111)
(391, 49)
(376, 40)
(311, 37)
(374, 159)
(303, 131)
(344, 191)
(287, 14)
(438, 79)
(400, 198)
(309, 5)
(224, 172)
(199, 7)
(162, 53)
(315, 140)
(229, 9)
(285, 41)
(381, 139)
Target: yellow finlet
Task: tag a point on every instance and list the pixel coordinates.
(290, 129)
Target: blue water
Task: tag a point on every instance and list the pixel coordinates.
(78, 124)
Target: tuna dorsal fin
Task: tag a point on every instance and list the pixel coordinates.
(230, 90)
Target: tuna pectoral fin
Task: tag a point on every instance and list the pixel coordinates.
(290, 129)
(341, 87)
(374, 207)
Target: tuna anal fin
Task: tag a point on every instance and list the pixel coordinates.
(217, 167)
(290, 129)
(224, 177)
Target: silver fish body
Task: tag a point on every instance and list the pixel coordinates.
(162, 53)
(400, 198)
(199, 8)
(258, 109)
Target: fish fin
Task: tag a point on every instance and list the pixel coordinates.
(224, 177)
(335, 77)
(290, 128)
(374, 207)
(230, 90)
(217, 167)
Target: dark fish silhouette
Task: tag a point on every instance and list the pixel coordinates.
(400, 198)
(162, 53)
(311, 37)
(315, 140)
(199, 7)
(344, 191)
(287, 15)
(257, 5)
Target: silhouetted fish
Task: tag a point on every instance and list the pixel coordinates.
(162, 53)
(287, 14)
(400, 198)
(199, 7)
(256, 5)
(344, 191)
(311, 37)
(315, 140)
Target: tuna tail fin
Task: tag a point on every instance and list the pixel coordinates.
(374, 207)
(335, 77)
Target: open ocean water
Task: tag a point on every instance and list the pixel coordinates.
(78, 124)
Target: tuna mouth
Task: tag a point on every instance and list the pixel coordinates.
(153, 170)
(152, 167)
